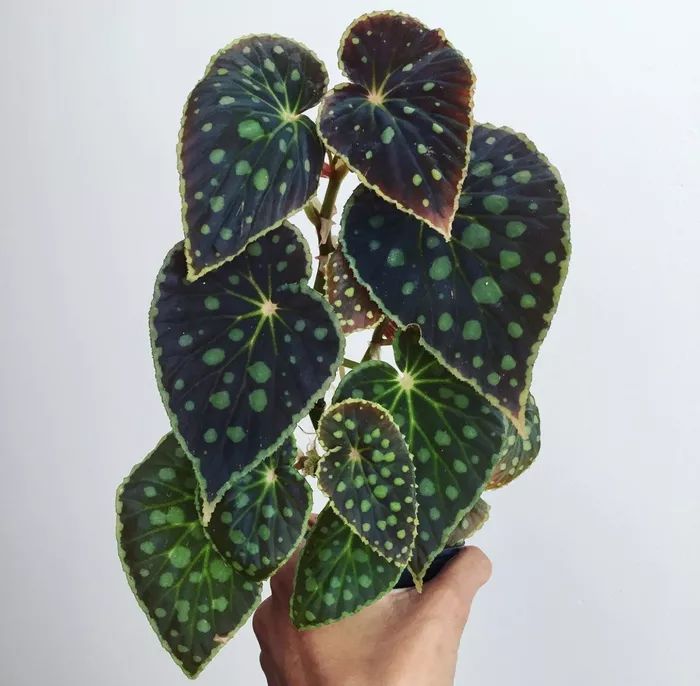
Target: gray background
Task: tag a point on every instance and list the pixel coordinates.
(595, 551)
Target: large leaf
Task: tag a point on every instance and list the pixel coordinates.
(194, 600)
(404, 123)
(338, 574)
(242, 354)
(349, 298)
(454, 435)
(521, 451)
(248, 157)
(262, 518)
(369, 476)
(484, 299)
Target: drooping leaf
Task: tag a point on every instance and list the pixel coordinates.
(454, 435)
(263, 516)
(248, 156)
(471, 523)
(338, 574)
(194, 601)
(484, 299)
(369, 477)
(349, 298)
(404, 123)
(521, 451)
(242, 354)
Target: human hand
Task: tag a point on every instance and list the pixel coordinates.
(404, 638)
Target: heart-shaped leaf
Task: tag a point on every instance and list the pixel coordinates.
(369, 477)
(454, 435)
(194, 601)
(484, 299)
(403, 124)
(470, 524)
(242, 354)
(262, 518)
(248, 156)
(521, 451)
(348, 297)
(338, 574)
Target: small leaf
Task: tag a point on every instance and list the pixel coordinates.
(263, 517)
(243, 354)
(454, 435)
(194, 600)
(337, 575)
(484, 299)
(368, 475)
(404, 123)
(349, 298)
(521, 451)
(248, 157)
(472, 522)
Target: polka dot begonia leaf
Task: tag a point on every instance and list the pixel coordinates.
(403, 124)
(242, 354)
(349, 298)
(454, 435)
(338, 574)
(248, 156)
(369, 477)
(194, 600)
(263, 517)
(471, 523)
(484, 299)
(521, 451)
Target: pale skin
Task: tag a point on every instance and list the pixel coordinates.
(404, 638)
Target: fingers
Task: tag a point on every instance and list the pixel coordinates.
(454, 588)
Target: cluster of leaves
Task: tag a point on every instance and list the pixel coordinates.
(454, 244)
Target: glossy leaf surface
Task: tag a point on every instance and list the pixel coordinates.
(263, 516)
(403, 124)
(248, 156)
(242, 354)
(484, 299)
(454, 435)
(369, 477)
(194, 600)
(349, 298)
(338, 574)
(471, 523)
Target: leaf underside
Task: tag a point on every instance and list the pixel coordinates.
(262, 518)
(242, 354)
(193, 599)
(454, 435)
(403, 124)
(471, 523)
(349, 298)
(368, 475)
(338, 574)
(521, 451)
(248, 157)
(484, 299)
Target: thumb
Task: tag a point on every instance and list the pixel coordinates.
(454, 588)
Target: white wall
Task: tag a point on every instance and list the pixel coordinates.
(595, 551)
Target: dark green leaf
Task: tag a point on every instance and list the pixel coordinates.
(242, 354)
(483, 300)
(338, 574)
(194, 600)
(404, 123)
(454, 435)
(262, 518)
(472, 522)
(521, 451)
(368, 475)
(248, 157)
(348, 297)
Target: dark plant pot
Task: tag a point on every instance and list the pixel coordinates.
(406, 580)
